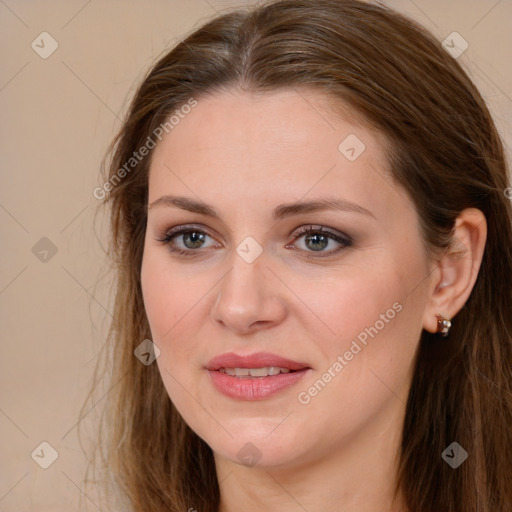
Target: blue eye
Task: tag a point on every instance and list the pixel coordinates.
(316, 239)
(191, 238)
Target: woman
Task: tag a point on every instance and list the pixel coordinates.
(313, 246)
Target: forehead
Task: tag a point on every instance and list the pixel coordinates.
(281, 145)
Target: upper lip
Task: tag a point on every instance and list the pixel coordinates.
(258, 360)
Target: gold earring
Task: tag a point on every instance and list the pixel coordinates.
(443, 325)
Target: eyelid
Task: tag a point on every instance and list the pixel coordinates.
(186, 227)
(318, 228)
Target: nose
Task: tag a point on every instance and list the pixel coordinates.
(250, 297)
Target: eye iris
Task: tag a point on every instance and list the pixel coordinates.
(196, 238)
(316, 238)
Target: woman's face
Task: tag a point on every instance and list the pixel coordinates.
(347, 303)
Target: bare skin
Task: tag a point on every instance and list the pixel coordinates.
(304, 299)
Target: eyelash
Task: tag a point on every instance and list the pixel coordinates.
(169, 236)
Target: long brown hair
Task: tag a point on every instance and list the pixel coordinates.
(444, 151)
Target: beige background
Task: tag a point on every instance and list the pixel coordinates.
(57, 117)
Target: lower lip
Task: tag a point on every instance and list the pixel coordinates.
(259, 388)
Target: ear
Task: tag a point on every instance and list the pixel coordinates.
(455, 273)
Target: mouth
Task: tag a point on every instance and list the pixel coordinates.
(261, 364)
(256, 376)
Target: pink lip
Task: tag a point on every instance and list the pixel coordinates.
(258, 360)
(258, 388)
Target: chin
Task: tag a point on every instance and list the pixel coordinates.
(251, 451)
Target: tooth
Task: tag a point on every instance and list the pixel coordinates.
(254, 372)
(258, 372)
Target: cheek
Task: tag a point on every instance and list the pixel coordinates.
(383, 298)
(167, 295)
(177, 303)
(169, 300)
(373, 321)
(368, 361)
(347, 305)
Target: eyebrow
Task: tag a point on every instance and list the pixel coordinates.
(280, 212)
